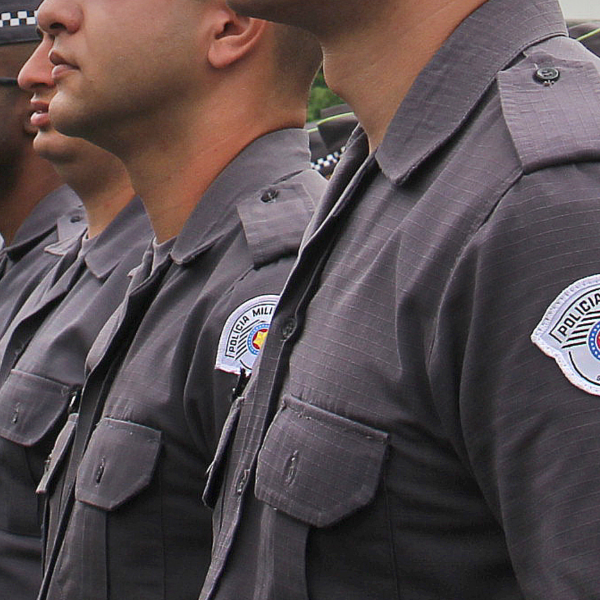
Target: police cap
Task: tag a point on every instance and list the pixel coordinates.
(18, 21)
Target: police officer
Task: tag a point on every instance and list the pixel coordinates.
(206, 110)
(33, 205)
(425, 421)
(43, 350)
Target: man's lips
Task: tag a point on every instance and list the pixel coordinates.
(61, 65)
(40, 117)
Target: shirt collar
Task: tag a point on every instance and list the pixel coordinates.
(44, 217)
(451, 85)
(271, 158)
(130, 227)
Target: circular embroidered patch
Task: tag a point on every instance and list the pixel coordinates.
(244, 334)
(570, 333)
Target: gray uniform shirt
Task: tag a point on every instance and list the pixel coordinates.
(404, 437)
(58, 217)
(41, 375)
(160, 383)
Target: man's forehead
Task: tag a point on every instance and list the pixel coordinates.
(18, 21)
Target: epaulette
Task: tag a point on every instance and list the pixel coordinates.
(274, 220)
(551, 104)
(71, 224)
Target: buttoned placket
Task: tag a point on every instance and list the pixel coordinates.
(289, 319)
(140, 296)
(286, 325)
(143, 288)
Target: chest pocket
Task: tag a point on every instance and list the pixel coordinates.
(118, 464)
(115, 527)
(30, 406)
(31, 409)
(318, 467)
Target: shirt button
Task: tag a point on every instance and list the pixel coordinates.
(241, 484)
(288, 328)
(291, 467)
(100, 470)
(547, 75)
(74, 401)
(269, 196)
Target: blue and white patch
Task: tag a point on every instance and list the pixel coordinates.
(244, 334)
(570, 333)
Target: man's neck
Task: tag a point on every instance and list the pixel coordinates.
(25, 187)
(103, 187)
(171, 177)
(103, 205)
(374, 67)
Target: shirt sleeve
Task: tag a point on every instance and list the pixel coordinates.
(529, 435)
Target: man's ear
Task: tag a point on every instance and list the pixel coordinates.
(233, 37)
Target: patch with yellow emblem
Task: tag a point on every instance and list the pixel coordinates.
(570, 333)
(244, 334)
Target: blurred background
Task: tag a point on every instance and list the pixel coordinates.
(581, 10)
(330, 122)
(574, 10)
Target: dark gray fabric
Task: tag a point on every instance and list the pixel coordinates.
(57, 218)
(42, 370)
(406, 322)
(136, 526)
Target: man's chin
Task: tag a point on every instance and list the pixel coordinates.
(64, 115)
(53, 146)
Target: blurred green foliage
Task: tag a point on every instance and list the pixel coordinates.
(320, 97)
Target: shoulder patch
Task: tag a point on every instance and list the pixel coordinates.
(244, 334)
(570, 333)
(550, 104)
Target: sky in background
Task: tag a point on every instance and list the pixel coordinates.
(581, 9)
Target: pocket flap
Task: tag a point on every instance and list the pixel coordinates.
(30, 406)
(118, 464)
(318, 467)
(61, 446)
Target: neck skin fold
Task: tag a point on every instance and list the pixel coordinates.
(103, 186)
